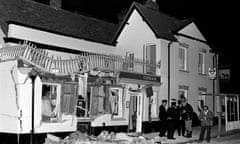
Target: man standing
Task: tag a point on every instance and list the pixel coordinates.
(206, 117)
(171, 120)
(163, 118)
(180, 124)
(188, 116)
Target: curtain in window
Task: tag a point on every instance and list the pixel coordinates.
(181, 55)
(150, 58)
(200, 63)
(94, 106)
(68, 98)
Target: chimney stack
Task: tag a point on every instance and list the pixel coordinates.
(152, 4)
(56, 4)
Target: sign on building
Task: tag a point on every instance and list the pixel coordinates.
(212, 72)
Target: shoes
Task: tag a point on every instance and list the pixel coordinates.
(161, 135)
(172, 138)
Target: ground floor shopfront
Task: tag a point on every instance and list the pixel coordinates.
(121, 101)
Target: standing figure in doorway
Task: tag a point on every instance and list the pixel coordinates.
(163, 118)
(206, 118)
(188, 116)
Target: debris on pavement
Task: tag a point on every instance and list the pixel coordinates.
(104, 137)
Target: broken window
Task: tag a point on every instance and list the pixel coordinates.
(58, 99)
(116, 102)
(50, 102)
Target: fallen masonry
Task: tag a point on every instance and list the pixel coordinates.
(104, 137)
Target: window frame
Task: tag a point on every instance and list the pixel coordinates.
(58, 101)
(185, 59)
(120, 103)
(149, 69)
(202, 66)
(185, 90)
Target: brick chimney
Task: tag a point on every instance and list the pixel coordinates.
(152, 4)
(56, 4)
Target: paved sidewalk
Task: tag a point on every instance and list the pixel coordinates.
(195, 135)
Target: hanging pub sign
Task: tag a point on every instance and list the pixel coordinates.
(212, 72)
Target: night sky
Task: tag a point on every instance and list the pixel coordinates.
(217, 20)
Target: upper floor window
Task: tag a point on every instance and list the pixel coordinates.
(128, 64)
(182, 55)
(149, 56)
(201, 62)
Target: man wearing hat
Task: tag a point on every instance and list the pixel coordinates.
(171, 119)
(163, 118)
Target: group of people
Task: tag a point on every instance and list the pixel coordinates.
(179, 117)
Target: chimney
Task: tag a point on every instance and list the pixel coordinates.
(152, 4)
(56, 4)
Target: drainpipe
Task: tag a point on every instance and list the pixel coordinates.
(32, 76)
(169, 54)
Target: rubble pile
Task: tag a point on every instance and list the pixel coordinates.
(103, 138)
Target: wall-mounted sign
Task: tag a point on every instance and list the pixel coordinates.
(140, 77)
(212, 72)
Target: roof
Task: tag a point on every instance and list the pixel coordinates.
(40, 16)
(161, 24)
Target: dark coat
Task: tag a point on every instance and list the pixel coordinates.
(162, 113)
(187, 112)
(206, 119)
(172, 113)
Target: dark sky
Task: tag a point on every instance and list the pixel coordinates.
(217, 20)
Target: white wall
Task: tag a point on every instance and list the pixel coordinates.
(192, 30)
(2, 35)
(191, 78)
(48, 38)
(8, 98)
(135, 35)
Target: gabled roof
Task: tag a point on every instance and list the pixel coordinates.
(161, 24)
(33, 14)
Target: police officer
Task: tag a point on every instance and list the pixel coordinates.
(163, 118)
(171, 120)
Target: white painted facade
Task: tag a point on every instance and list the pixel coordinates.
(1, 38)
(134, 36)
(136, 33)
(43, 37)
(16, 104)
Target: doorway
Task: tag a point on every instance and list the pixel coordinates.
(135, 112)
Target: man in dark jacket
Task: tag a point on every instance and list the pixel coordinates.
(206, 118)
(188, 116)
(171, 120)
(180, 123)
(163, 118)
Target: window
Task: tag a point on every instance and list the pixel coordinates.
(183, 92)
(116, 102)
(149, 56)
(201, 99)
(129, 62)
(50, 102)
(153, 102)
(201, 63)
(182, 55)
(99, 99)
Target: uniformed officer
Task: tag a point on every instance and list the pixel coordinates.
(171, 120)
(163, 118)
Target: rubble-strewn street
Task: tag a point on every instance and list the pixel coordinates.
(231, 137)
(103, 138)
